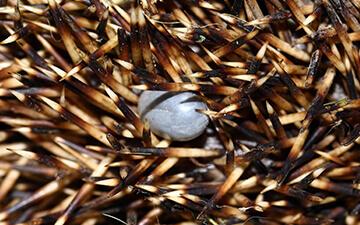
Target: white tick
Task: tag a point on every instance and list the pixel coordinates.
(173, 115)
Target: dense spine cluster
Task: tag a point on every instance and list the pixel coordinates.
(280, 79)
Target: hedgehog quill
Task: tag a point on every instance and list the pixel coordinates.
(270, 134)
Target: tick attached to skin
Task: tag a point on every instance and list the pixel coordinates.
(173, 115)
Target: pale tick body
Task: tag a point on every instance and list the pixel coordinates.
(173, 115)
